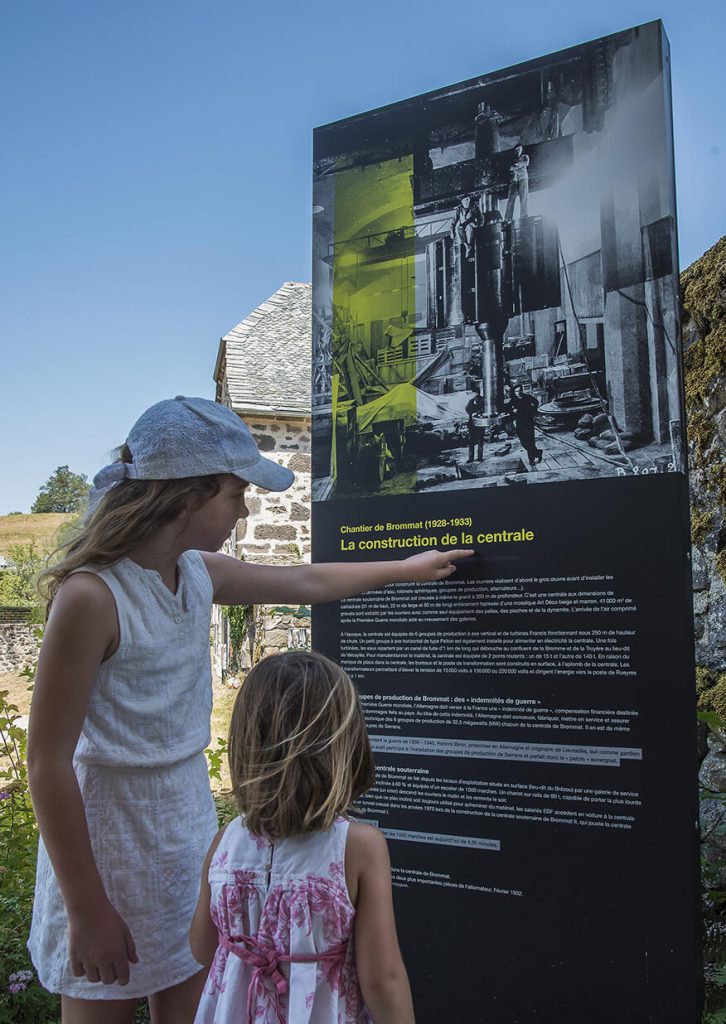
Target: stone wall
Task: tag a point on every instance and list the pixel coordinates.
(704, 337)
(16, 613)
(19, 646)
(276, 532)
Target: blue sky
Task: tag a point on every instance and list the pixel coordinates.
(155, 181)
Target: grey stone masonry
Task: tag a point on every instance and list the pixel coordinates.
(263, 372)
(19, 646)
(277, 530)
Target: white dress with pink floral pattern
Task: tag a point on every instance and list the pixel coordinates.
(288, 898)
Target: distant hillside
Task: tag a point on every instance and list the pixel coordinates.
(22, 529)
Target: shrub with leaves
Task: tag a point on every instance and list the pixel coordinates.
(240, 624)
(22, 1000)
(17, 585)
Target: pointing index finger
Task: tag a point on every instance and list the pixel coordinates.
(459, 553)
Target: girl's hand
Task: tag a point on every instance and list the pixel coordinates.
(100, 945)
(431, 565)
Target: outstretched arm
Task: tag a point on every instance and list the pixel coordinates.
(238, 582)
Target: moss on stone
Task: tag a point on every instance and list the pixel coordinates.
(701, 432)
(702, 284)
(701, 520)
(711, 691)
(705, 362)
(703, 287)
(721, 563)
(717, 481)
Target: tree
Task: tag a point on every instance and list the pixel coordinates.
(63, 491)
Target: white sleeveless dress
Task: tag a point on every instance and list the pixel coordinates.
(285, 924)
(143, 776)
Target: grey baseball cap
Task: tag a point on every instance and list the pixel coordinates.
(183, 437)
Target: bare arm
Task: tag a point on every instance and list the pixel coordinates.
(238, 582)
(203, 931)
(81, 631)
(381, 972)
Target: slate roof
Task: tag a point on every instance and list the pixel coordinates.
(267, 355)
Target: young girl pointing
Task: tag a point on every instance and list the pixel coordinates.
(122, 702)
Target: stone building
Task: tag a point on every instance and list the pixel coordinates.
(263, 373)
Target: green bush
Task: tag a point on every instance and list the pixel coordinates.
(17, 585)
(22, 1000)
(240, 622)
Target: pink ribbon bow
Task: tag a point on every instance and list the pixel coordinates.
(266, 963)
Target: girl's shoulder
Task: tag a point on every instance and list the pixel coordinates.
(366, 846)
(365, 839)
(82, 617)
(86, 595)
(366, 855)
(84, 579)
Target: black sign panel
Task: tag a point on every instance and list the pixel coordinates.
(497, 366)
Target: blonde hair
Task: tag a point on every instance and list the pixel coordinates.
(299, 754)
(128, 514)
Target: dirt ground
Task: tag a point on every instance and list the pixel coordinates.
(17, 687)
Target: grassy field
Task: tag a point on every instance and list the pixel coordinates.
(22, 529)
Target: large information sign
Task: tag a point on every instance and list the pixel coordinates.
(497, 366)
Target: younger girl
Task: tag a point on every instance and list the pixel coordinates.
(120, 715)
(301, 927)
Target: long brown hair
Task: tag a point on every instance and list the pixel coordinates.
(127, 515)
(299, 754)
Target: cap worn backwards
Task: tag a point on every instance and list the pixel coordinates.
(184, 437)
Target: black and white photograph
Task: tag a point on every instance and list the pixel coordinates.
(495, 290)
